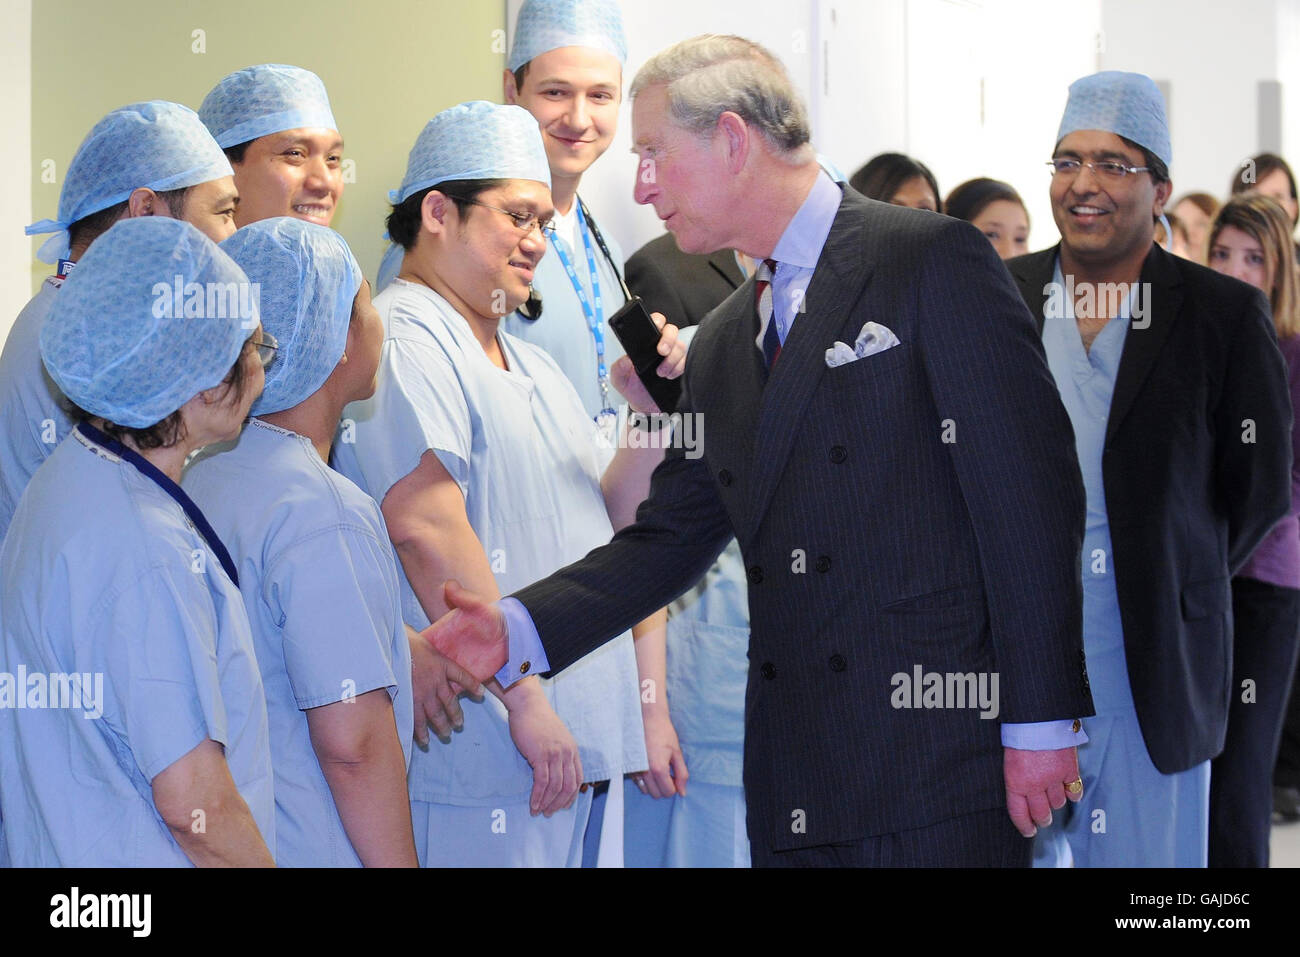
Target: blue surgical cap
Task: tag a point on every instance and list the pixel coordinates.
(158, 145)
(153, 314)
(265, 99)
(308, 279)
(546, 25)
(1126, 104)
(475, 140)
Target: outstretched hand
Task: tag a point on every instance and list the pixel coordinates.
(472, 633)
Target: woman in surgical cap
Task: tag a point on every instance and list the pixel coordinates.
(316, 567)
(489, 471)
(275, 123)
(135, 730)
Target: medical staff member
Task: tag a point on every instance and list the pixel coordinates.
(566, 69)
(276, 126)
(487, 470)
(315, 565)
(145, 159)
(117, 588)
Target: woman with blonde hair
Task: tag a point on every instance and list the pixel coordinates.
(1251, 240)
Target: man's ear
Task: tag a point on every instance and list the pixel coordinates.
(1163, 192)
(433, 212)
(509, 89)
(145, 202)
(736, 140)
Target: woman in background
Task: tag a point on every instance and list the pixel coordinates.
(1195, 214)
(995, 209)
(1251, 240)
(898, 179)
(1272, 176)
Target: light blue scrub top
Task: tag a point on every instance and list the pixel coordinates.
(31, 421)
(319, 580)
(563, 332)
(104, 575)
(525, 455)
(1086, 382)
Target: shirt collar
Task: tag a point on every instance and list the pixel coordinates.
(801, 243)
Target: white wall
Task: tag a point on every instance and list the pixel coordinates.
(1288, 71)
(16, 183)
(1212, 54)
(971, 88)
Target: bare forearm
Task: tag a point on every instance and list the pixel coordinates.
(205, 812)
(650, 641)
(626, 482)
(361, 757)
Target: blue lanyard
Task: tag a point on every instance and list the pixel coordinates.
(150, 471)
(594, 314)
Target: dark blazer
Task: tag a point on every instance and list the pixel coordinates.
(681, 286)
(1187, 498)
(918, 507)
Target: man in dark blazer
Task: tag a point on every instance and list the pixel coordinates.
(680, 286)
(901, 479)
(1178, 397)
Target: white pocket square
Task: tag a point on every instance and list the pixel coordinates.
(872, 338)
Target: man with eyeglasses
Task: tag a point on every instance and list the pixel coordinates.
(1177, 394)
(487, 472)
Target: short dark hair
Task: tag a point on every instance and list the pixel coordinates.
(884, 175)
(89, 228)
(404, 220)
(520, 74)
(1154, 164)
(236, 153)
(974, 196)
(1265, 164)
(169, 430)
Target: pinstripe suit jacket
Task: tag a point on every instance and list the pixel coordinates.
(918, 507)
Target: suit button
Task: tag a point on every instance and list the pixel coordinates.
(724, 478)
(824, 563)
(838, 663)
(767, 670)
(755, 575)
(838, 454)
(1075, 727)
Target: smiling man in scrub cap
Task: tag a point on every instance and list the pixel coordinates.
(487, 471)
(276, 126)
(1182, 417)
(145, 159)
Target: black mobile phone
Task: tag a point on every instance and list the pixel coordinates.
(640, 338)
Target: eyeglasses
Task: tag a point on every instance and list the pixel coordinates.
(266, 349)
(523, 221)
(1106, 168)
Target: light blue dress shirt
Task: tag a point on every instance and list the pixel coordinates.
(796, 255)
(319, 580)
(105, 576)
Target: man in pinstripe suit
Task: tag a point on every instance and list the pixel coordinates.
(886, 442)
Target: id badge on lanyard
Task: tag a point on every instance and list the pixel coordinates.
(607, 418)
